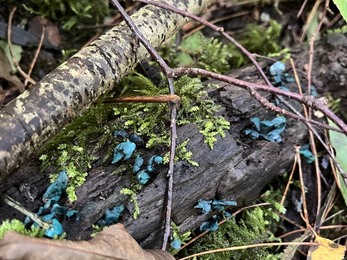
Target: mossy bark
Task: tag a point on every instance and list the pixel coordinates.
(42, 111)
(236, 169)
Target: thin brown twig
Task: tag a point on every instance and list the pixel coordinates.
(284, 217)
(250, 246)
(309, 21)
(173, 108)
(331, 23)
(144, 99)
(292, 232)
(36, 54)
(333, 215)
(309, 73)
(313, 148)
(253, 88)
(16, 64)
(313, 36)
(301, 9)
(302, 184)
(288, 182)
(217, 20)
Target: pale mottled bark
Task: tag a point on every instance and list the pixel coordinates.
(42, 111)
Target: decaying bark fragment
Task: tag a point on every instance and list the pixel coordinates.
(39, 113)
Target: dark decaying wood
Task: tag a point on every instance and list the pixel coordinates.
(236, 169)
(42, 111)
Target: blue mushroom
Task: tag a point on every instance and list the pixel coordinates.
(143, 177)
(123, 150)
(135, 138)
(138, 163)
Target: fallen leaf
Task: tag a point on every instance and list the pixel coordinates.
(289, 252)
(13, 86)
(327, 250)
(339, 142)
(112, 243)
(17, 52)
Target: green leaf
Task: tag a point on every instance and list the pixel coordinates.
(17, 51)
(342, 6)
(339, 142)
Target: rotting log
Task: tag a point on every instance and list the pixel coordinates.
(236, 169)
(43, 110)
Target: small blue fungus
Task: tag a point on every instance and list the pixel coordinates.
(313, 91)
(204, 205)
(51, 202)
(143, 177)
(64, 211)
(48, 217)
(211, 224)
(121, 133)
(304, 151)
(138, 163)
(123, 150)
(135, 138)
(154, 160)
(55, 229)
(176, 244)
(256, 123)
(219, 204)
(325, 161)
(226, 214)
(57, 188)
(276, 70)
(59, 210)
(39, 213)
(26, 220)
(287, 78)
(111, 216)
(71, 213)
(269, 130)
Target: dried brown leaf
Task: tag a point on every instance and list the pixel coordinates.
(112, 243)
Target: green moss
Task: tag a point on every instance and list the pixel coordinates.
(261, 40)
(19, 227)
(200, 52)
(70, 13)
(97, 229)
(221, 55)
(335, 106)
(253, 228)
(342, 30)
(183, 238)
(133, 193)
(71, 149)
(151, 120)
